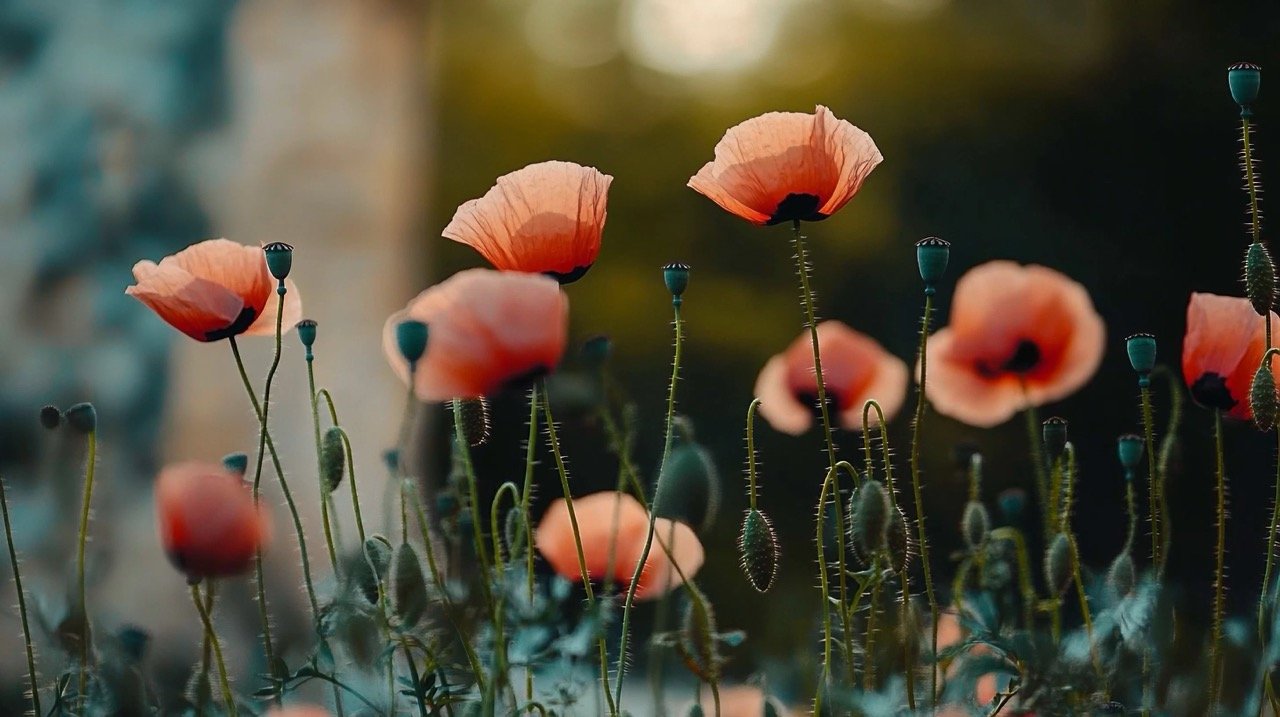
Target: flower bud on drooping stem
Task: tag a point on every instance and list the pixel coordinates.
(1262, 394)
(1260, 278)
(333, 459)
(1121, 576)
(758, 550)
(869, 521)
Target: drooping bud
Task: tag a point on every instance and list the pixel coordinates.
(1122, 575)
(279, 259)
(1057, 564)
(1244, 79)
(333, 459)
(676, 277)
(411, 339)
(975, 524)
(1262, 395)
(307, 333)
(1055, 438)
(377, 550)
(692, 487)
(236, 463)
(869, 522)
(475, 420)
(1129, 448)
(697, 641)
(932, 256)
(1260, 278)
(408, 586)
(1142, 356)
(758, 550)
(50, 417)
(83, 417)
(899, 541)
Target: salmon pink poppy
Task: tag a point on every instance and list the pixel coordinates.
(615, 522)
(1221, 351)
(854, 367)
(788, 166)
(214, 290)
(743, 701)
(1018, 336)
(487, 330)
(208, 522)
(544, 219)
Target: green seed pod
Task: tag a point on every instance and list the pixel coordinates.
(1129, 448)
(758, 550)
(692, 487)
(83, 417)
(1260, 278)
(932, 256)
(50, 417)
(333, 459)
(1244, 79)
(1122, 575)
(1055, 437)
(1262, 397)
(411, 339)
(475, 420)
(306, 332)
(513, 531)
(408, 586)
(900, 543)
(869, 522)
(237, 463)
(975, 524)
(1057, 564)
(676, 277)
(279, 259)
(361, 580)
(1142, 353)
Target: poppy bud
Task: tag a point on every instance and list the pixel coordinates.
(932, 255)
(411, 339)
(596, 351)
(1121, 576)
(237, 463)
(697, 643)
(1142, 356)
(975, 524)
(676, 277)
(1013, 504)
(899, 542)
(306, 332)
(1055, 438)
(279, 259)
(333, 459)
(83, 417)
(408, 586)
(692, 492)
(50, 417)
(869, 522)
(758, 550)
(1262, 396)
(1130, 449)
(1244, 79)
(391, 459)
(1260, 278)
(377, 551)
(475, 420)
(1057, 564)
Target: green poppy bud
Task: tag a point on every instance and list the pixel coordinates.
(83, 417)
(758, 550)
(333, 459)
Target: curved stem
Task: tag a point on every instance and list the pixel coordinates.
(526, 497)
(1219, 579)
(1014, 536)
(751, 452)
(922, 534)
(324, 490)
(85, 635)
(823, 585)
(22, 604)
(227, 696)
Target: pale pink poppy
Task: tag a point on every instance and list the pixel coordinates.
(1222, 350)
(547, 218)
(788, 166)
(214, 290)
(207, 520)
(855, 369)
(1019, 336)
(487, 330)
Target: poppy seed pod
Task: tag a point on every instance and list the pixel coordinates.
(1057, 564)
(411, 339)
(1244, 80)
(676, 277)
(237, 463)
(333, 459)
(377, 551)
(758, 550)
(1262, 397)
(83, 417)
(279, 259)
(869, 522)
(306, 332)
(596, 351)
(50, 417)
(1260, 278)
(1055, 437)
(932, 255)
(1130, 449)
(1142, 355)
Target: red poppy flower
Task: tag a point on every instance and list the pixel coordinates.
(854, 367)
(208, 522)
(487, 330)
(611, 521)
(215, 289)
(544, 219)
(1019, 336)
(1221, 351)
(788, 166)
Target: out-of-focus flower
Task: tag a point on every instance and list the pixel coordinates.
(612, 521)
(214, 290)
(744, 701)
(1018, 336)
(544, 219)
(207, 520)
(488, 330)
(1221, 350)
(788, 166)
(855, 369)
(299, 711)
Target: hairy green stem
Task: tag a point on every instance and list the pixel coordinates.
(823, 584)
(1219, 578)
(22, 604)
(324, 490)
(85, 634)
(227, 697)
(526, 497)
(351, 466)
(923, 537)
(1067, 500)
(1153, 483)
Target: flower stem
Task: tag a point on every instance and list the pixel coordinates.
(1028, 589)
(1037, 459)
(1219, 579)
(923, 537)
(526, 497)
(324, 490)
(1068, 488)
(406, 423)
(206, 656)
(1153, 483)
(227, 698)
(351, 467)
(89, 470)
(823, 584)
(811, 322)
(22, 604)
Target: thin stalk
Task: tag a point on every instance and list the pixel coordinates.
(22, 604)
(206, 649)
(324, 490)
(464, 449)
(406, 423)
(923, 537)
(819, 541)
(1068, 498)
(869, 668)
(1153, 484)
(413, 673)
(1219, 581)
(526, 497)
(811, 322)
(227, 697)
(89, 470)
(1028, 589)
(1037, 459)
(1266, 593)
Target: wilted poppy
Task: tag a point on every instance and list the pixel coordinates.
(544, 219)
(855, 369)
(788, 166)
(487, 330)
(1018, 336)
(208, 522)
(1221, 351)
(215, 289)
(611, 521)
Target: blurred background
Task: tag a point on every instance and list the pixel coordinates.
(1094, 137)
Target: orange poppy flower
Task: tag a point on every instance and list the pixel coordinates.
(788, 166)
(208, 522)
(1019, 335)
(854, 367)
(214, 290)
(487, 330)
(1221, 351)
(611, 521)
(544, 219)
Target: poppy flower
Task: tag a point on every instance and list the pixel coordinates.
(612, 521)
(788, 166)
(743, 701)
(208, 522)
(855, 369)
(487, 330)
(214, 290)
(299, 711)
(1018, 336)
(1221, 351)
(544, 219)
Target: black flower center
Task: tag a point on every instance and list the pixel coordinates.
(235, 328)
(797, 208)
(1210, 391)
(1023, 359)
(568, 277)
